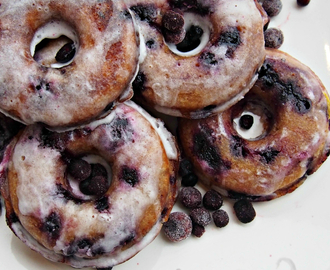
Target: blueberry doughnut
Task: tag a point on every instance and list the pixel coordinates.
(265, 145)
(63, 63)
(93, 196)
(200, 57)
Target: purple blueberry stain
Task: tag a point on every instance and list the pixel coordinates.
(269, 155)
(52, 225)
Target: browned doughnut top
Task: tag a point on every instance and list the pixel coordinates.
(104, 51)
(209, 77)
(288, 140)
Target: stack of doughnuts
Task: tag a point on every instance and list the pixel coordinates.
(91, 175)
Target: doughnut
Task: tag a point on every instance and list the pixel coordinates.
(198, 57)
(93, 196)
(62, 63)
(269, 142)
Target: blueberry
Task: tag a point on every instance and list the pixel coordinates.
(139, 82)
(52, 226)
(244, 211)
(303, 2)
(185, 167)
(178, 226)
(200, 216)
(212, 200)
(238, 147)
(98, 170)
(189, 180)
(173, 21)
(151, 44)
(232, 39)
(190, 197)
(174, 37)
(246, 121)
(209, 59)
(273, 38)
(145, 12)
(95, 186)
(220, 218)
(198, 230)
(130, 176)
(272, 7)
(102, 204)
(66, 53)
(79, 169)
(84, 243)
(269, 155)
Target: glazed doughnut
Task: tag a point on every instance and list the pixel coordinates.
(265, 145)
(206, 65)
(93, 68)
(130, 188)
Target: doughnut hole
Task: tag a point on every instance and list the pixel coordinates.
(197, 36)
(54, 45)
(252, 119)
(96, 184)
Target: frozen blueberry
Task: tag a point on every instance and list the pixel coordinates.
(272, 7)
(200, 216)
(244, 211)
(220, 218)
(189, 180)
(246, 121)
(212, 200)
(66, 53)
(198, 230)
(273, 38)
(303, 2)
(173, 21)
(178, 226)
(79, 169)
(190, 197)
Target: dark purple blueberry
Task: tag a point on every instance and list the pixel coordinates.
(178, 226)
(272, 7)
(186, 167)
(237, 147)
(195, 6)
(200, 216)
(99, 170)
(191, 40)
(174, 37)
(212, 200)
(273, 38)
(66, 53)
(151, 44)
(95, 186)
(145, 12)
(84, 243)
(246, 121)
(220, 218)
(173, 21)
(190, 197)
(79, 169)
(102, 204)
(269, 155)
(244, 211)
(209, 59)
(52, 226)
(12, 218)
(189, 180)
(139, 82)
(129, 175)
(232, 39)
(303, 2)
(198, 230)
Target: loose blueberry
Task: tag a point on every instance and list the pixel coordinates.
(186, 167)
(244, 211)
(303, 2)
(189, 180)
(246, 121)
(273, 38)
(66, 53)
(272, 7)
(79, 169)
(178, 226)
(220, 218)
(191, 40)
(198, 230)
(173, 21)
(190, 197)
(212, 200)
(200, 216)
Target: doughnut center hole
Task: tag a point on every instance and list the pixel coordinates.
(89, 177)
(197, 36)
(252, 121)
(54, 45)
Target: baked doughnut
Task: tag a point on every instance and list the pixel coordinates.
(93, 68)
(77, 217)
(265, 145)
(200, 56)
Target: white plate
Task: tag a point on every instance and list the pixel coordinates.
(292, 232)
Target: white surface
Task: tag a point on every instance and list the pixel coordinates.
(292, 232)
